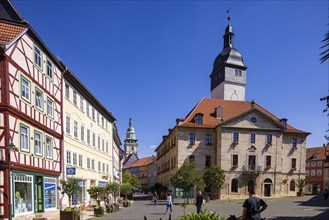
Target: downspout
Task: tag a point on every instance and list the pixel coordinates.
(276, 161)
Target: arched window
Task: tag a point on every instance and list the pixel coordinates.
(292, 185)
(234, 185)
(251, 185)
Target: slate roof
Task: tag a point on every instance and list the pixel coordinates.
(230, 110)
(8, 12)
(141, 162)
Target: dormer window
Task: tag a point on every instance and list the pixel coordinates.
(198, 119)
(283, 121)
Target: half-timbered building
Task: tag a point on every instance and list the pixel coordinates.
(30, 118)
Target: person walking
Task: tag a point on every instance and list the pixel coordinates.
(169, 202)
(155, 198)
(199, 202)
(252, 207)
(326, 194)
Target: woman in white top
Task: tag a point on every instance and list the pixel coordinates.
(169, 202)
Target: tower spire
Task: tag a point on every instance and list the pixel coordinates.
(229, 35)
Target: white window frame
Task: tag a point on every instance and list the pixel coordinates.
(50, 69)
(319, 172)
(49, 147)
(75, 159)
(82, 133)
(25, 138)
(39, 99)
(67, 91)
(319, 163)
(25, 89)
(38, 143)
(312, 172)
(68, 125)
(68, 157)
(88, 163)
(50, 107)
(37, 56)
(80, 160)
(75, 129)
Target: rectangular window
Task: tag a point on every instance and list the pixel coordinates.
(319, 172)
(93, 113)
(99, 166)
(37, 143)
(268, 161)
(50, 107)
(75, 133)
(319, 163)
(192, 158)
(208, 161)
(252, 138)
(38, 99)
(25, 89)
(88, 163)
(107, 168)
(294, 142)
(49, 147)
(82, 133)
(67, 91)
(80, 160)
(313, 164)
(269, 139)
(235, 137)
(88, 136)
(312, 172)
(307, 164)
(208, 139)
(97, 118)
(50, 71)
(235, 160)
(103, 145)
(99, 143)
(103, 167)
(87, 108)
(37, 57)
(74, 159)
(25, 137)
(68, 157)
(293, 163)
(192, 138)
(307, 173)
(75, 97)
(81, 103)
(107, 147)
(102, 122)
(94, 140)
(93, 164)
(68, 125)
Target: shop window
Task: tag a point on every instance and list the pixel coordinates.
(50, 193)
(23, 199)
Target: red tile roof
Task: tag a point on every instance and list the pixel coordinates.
(141, 162)
(9, 32)
(320, 151)
(230, 110)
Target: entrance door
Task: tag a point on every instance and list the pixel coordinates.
(252, 163)
(38, 189)
(267, 187)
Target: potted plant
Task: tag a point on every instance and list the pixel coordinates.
(97, 193)
(301, 183)
(70, 186)
(112, 190)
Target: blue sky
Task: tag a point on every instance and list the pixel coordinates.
(151, 60)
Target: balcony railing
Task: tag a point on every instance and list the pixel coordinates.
(252, 168)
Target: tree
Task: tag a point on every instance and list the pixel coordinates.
(325, 53)
(70, 186)
(301, 183)
(132, 179)
(126, 189)
(113, 188)
(214, 177)
(97, 193)
(159, 188)
(187, 178)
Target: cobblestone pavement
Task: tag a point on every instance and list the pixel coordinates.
(307, 207)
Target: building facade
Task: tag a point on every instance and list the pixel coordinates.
(91, 147)
(255, 148)
(30, 118)
(316, 171)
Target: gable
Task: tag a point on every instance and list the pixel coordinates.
(253, 119)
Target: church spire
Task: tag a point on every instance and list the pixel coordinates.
(130, 143)
(229, 35)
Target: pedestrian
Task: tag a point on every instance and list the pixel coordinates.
(252, 207)
(200, 201)
(326, 194)
(155, 198)
(169, 202)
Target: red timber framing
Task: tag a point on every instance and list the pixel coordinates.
(16, 62)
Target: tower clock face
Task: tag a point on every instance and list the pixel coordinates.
(253, 120)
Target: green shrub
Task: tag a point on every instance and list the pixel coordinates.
(203, 215)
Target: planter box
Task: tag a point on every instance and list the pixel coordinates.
(65, 215)
(98, 212)
(300, 193)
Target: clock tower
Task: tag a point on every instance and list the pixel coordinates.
(130, 144)
(228, 78)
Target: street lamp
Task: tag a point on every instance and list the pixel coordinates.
(11, 146)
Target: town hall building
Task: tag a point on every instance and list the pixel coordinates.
(255, 148)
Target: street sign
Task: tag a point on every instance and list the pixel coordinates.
(70, 171)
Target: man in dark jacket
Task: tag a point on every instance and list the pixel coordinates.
(252, 207)
(199, 202)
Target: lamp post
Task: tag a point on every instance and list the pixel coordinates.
(11, 146)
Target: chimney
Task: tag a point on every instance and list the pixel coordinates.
(179, 121)
(164, 137)
(219, 112)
